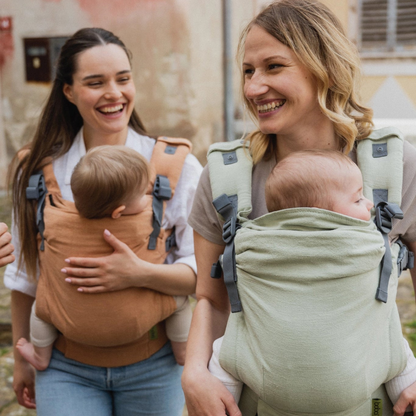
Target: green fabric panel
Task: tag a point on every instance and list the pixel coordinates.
(383, 172)
(234, 179)
(310, 324)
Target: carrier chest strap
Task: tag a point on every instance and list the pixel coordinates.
(36, 190)
(161, 192)
(225, 206)
(385, 212)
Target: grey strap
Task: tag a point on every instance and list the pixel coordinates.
(161, 192)
(225, 206)
(385, 212)
(37, 191)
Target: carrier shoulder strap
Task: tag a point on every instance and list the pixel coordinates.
(380, 159)
(40, 184)
(166, 165)
(230, 170)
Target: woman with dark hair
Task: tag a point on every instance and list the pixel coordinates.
(300, 77)
(92, 104)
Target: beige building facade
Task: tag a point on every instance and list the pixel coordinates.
(177, 48)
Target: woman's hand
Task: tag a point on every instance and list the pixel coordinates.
(205, 395)
(6, 249)
(123, 269)
(105, 274)
(24, 383)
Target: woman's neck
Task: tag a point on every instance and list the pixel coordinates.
(323, 138)
(93, 139)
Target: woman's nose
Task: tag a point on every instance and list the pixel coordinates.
(112, 92)
(255, 86)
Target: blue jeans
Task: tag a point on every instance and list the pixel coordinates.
(149, 387)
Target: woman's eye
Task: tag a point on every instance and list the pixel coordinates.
(124, 79)
(94, 84)
(248, 71)
(274, 66)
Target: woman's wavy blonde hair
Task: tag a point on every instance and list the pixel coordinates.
(318, 40)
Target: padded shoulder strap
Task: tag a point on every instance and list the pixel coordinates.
(166, 165)
(168, 157)
(380, 159)
(230, 171)
(50, 179)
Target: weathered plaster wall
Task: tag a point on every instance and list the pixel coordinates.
(177, 61)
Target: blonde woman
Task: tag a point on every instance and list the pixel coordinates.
(299, 83)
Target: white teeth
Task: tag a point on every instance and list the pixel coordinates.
(270, 106)
(112, 109)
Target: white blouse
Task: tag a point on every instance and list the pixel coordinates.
(176, 214)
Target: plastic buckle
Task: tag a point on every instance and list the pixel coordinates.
(161, 188)
(170, 241)
(216, 270)
(385, 212)
(36, 186)
(229, 229)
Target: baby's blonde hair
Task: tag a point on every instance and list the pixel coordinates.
(317, 38)
(106, 178)
(307, 178)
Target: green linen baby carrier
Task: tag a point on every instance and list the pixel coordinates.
(317, 329)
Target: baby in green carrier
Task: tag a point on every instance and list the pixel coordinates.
(96, 196)
(318, 179)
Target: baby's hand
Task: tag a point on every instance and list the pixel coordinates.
(407, 400)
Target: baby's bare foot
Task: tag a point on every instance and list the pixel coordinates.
(39, 357)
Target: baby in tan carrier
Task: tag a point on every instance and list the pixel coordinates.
(94, 198)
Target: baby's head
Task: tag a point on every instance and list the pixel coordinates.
(318, 178)
(110, 181)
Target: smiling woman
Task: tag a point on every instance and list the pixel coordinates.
(299, 84)
(92, 104)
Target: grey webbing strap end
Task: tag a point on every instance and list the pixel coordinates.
(385, 212)
(36, 190)
(381, 295)
(225, 207)
(161, 192)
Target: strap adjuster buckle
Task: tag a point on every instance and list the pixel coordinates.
(229, 229)
(162, 189)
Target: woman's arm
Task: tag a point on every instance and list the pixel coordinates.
(123, 269)
(6, 248)
(24, 374)
(205, 394)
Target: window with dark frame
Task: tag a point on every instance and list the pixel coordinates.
(387, 26)
(40, 57)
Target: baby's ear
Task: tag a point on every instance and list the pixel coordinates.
(117, 213)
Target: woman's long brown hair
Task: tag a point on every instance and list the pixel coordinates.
(59, 123)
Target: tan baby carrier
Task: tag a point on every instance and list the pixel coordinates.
(114, 328)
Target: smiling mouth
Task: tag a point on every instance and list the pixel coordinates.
(112, 109)
(265, 108)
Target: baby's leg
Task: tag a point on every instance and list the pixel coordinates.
(407, 377)
(177, 328)
(39, 351)
(233, 385)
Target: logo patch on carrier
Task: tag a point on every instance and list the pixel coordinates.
(377, 407)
